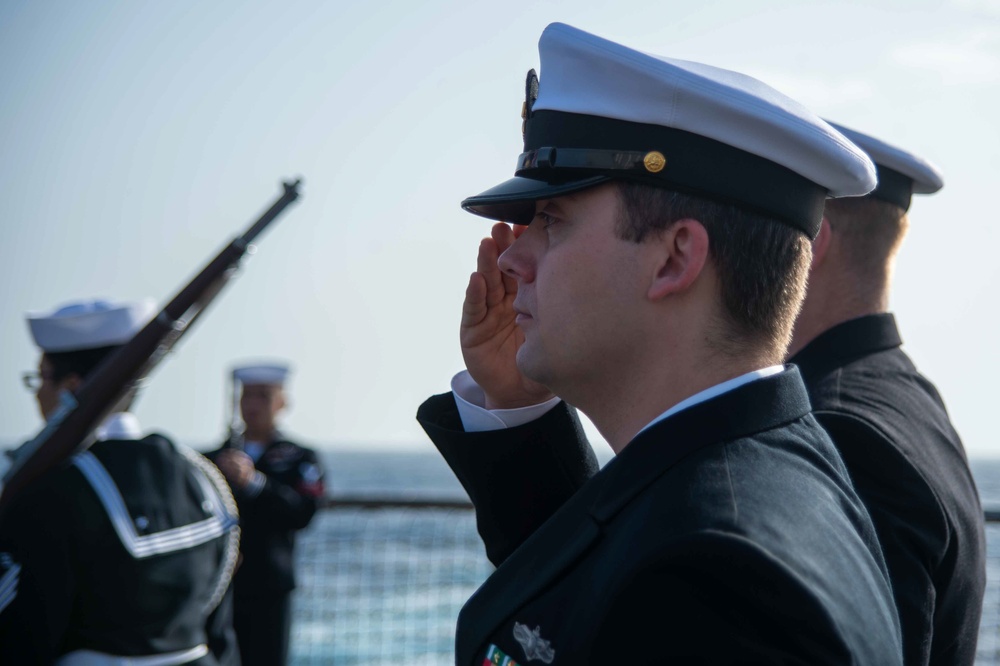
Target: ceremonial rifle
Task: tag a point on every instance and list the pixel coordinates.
(114, 383)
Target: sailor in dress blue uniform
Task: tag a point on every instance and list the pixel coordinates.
(278, 485)
(887, 420)
(124, 554)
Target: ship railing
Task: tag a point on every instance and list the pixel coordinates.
(381, 581)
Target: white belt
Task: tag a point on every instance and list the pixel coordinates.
(91, 658)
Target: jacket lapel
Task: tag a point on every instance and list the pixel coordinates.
(760, 405)
(577, 525)
(552, 548)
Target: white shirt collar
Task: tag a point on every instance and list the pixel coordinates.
(714, 391)
(120, 425)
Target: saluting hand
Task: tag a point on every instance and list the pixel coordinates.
(489, 334)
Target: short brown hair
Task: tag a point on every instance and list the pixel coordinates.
(762, 263)
(871, 231)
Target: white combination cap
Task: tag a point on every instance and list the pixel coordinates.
(89, 324)
(901, 174)
(272, 373)
(602, 111)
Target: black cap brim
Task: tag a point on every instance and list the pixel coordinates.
(514, 200)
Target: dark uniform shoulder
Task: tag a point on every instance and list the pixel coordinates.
(290, 445)
(301, 466)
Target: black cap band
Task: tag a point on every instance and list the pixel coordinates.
(893, 187)
(560, 147)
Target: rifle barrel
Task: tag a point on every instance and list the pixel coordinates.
(110, 383)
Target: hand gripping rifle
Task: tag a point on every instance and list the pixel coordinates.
(113, 384)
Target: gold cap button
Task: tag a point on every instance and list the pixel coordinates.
(654, 161)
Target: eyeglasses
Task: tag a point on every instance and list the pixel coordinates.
(33, 380)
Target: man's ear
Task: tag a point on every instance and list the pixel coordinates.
(821, 243)
(681, 254)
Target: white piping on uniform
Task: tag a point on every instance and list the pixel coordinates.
(8, 586)
(168, 541)
(92, 658)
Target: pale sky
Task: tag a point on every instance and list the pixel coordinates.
(139, 137)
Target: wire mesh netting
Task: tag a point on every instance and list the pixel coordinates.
(988, 648)
(384, 586)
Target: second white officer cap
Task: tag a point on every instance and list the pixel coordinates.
(901, 174)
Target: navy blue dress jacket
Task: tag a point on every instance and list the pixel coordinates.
(910, 469)
(728, 533)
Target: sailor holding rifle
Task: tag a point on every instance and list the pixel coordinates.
(278, 485)
(124, 553)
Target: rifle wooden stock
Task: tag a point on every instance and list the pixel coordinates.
(114, 383)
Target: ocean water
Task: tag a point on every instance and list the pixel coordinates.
(425, 474)
(987, 474)
(398, 474)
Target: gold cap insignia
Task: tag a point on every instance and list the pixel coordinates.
(530, 95)
(654, 161)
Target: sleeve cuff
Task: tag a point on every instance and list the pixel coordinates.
(256, 485)
(471, 401)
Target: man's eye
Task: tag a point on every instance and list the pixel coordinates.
(546, 220)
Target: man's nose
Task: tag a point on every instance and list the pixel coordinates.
(517, 261)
